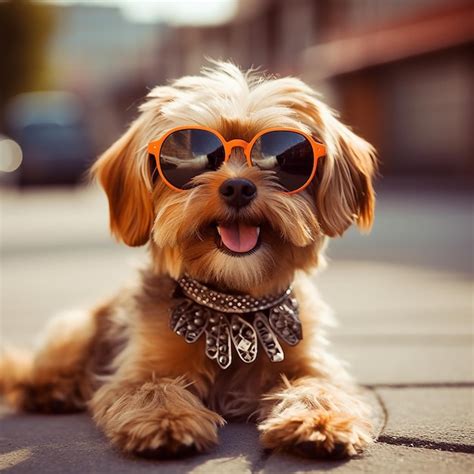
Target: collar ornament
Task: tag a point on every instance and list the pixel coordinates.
(238, 320)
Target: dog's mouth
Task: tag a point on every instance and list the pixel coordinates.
(237, 238)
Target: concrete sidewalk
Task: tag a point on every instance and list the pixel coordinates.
(403, 297)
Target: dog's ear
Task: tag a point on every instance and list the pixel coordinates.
(344, 190)
(343, 184)
(130, 201)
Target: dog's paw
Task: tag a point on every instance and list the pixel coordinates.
(316, 434)
(156, 419)
(164, 435)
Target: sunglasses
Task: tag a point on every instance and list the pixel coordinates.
(186, 152)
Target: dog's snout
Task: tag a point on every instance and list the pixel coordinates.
(237, 192)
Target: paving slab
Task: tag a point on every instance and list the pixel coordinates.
(400, 323)
(38, 285)
(380, 458)
(431, 416)
(70, 444)
(415, 227)
(388, 298)
(374, 361)
(53, 217)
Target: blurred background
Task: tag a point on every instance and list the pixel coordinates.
(401, 74)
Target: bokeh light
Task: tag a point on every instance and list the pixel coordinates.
(11, 155)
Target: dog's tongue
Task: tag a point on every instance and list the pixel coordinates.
(239, 237)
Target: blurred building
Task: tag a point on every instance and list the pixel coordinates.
(106, 59)
(96, 46)
(91, 55)
(399, 71)
(407, 85)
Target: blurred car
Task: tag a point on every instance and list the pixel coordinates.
(50, 128)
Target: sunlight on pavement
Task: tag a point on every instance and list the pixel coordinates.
(13, 458)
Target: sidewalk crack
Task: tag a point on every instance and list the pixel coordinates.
(426, 444)
(384, 411)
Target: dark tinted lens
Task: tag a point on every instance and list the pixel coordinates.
(288, 154)
(188, 153)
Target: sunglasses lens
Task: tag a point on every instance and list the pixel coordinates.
(188, 153)
(288, 154)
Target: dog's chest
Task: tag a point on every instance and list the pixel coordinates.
(236, 392)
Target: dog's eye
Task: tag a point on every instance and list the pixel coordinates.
(186, 154)
(288, 154)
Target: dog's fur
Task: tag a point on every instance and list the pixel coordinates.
(149, 391)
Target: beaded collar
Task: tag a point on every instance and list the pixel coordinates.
(238, 320)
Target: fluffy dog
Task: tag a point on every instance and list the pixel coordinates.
(148, 389)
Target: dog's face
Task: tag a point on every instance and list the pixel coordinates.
(279, 232)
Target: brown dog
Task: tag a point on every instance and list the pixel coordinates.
(156, 389)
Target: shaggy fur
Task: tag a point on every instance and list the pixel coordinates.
(149, 391)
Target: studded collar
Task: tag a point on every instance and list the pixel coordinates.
(227, 303)
(238, 320)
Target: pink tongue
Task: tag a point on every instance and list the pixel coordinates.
(239, 237)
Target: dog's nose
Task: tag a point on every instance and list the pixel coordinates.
(237, 192)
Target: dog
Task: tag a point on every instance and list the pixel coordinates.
(235, 181)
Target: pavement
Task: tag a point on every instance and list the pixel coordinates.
(403, 297)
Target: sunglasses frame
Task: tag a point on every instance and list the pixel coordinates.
(319, 150)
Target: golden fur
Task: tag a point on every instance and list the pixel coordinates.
(149, 391)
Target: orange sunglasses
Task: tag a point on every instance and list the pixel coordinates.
(186, 152)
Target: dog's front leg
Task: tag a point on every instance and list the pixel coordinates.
(156, 418)
(315, 418)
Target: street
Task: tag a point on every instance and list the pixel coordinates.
(402, 296)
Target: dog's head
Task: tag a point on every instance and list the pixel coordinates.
(188, 230)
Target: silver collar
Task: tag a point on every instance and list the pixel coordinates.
(202, 310)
